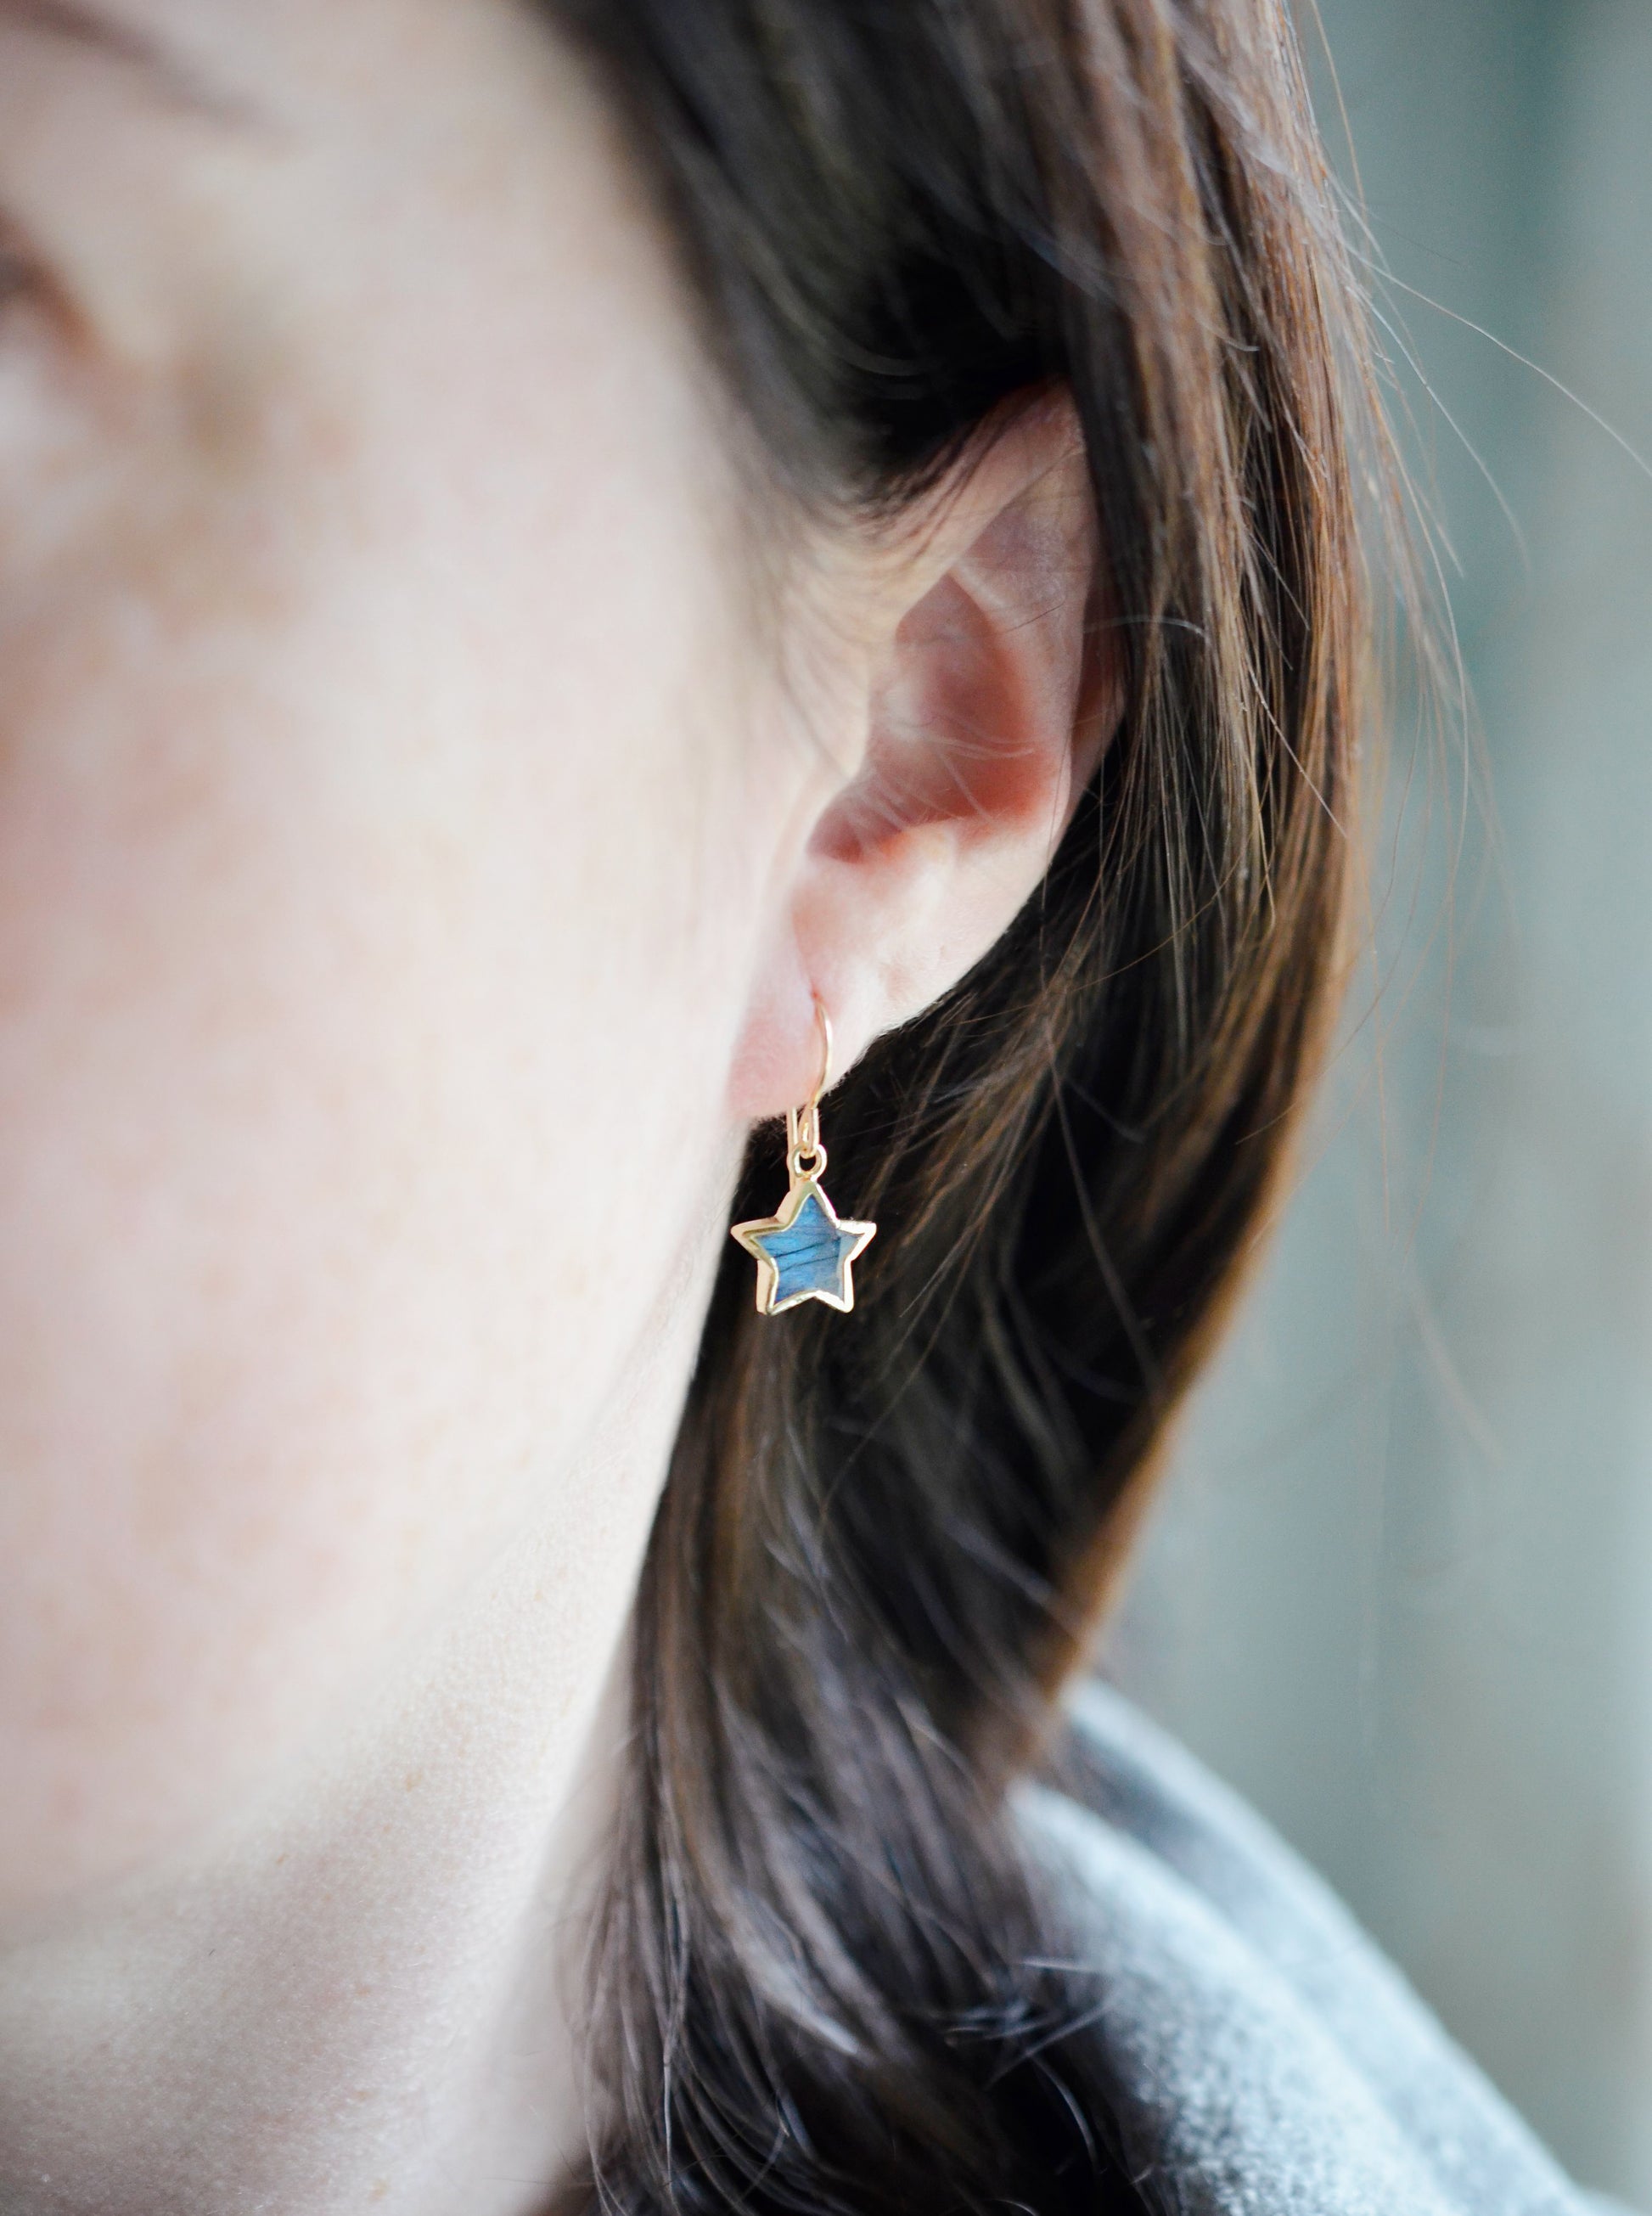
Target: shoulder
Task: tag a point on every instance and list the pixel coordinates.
(1268, 2059)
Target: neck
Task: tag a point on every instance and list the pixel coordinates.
(360, 1999)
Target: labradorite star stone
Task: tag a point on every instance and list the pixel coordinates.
(805, 1252)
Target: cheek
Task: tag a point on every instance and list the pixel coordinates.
(371, 939)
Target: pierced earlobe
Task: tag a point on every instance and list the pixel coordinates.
(808, 1252)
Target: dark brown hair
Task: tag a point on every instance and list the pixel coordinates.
(823, 1976)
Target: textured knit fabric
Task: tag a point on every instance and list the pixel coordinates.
(1269, 2062)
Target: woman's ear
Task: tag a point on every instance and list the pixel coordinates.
(979, 707)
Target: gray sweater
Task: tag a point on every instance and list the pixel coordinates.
(1270, 2061)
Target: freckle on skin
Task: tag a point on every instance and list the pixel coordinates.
(413, 1781)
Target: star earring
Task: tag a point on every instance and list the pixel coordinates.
(808, 1252)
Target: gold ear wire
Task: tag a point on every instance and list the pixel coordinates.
(803, 1124)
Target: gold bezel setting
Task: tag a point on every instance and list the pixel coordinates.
(856, 1238)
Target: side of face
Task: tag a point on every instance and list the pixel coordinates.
(377, 839)
(420, 843)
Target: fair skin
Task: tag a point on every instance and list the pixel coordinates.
(420, 843)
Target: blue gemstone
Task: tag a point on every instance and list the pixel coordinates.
(809, 1254)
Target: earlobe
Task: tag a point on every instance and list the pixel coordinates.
(987, 698)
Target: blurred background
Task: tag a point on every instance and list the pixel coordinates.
(1399, 1589)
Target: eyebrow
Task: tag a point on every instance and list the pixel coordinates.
(169, 75)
